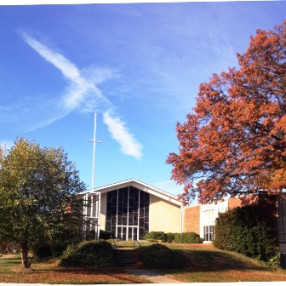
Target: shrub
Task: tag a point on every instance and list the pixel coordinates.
(160, 256)
(187, 237)
(97, 254)
(70, 249)
(106, 235)
(156, 235)
(244, 230)
(49, 249)
(58, 248)
(44, 251)
(170, 237)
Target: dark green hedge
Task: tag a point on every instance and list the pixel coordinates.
(97, 254)
(160, 256)
(186, 237)
(245, 230)
(156, 235)
(106, 235)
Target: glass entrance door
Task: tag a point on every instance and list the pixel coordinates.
(122, 232)
(132, 233)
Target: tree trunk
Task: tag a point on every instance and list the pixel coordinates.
(25, 252)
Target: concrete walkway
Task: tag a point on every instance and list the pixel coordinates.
(152, 276)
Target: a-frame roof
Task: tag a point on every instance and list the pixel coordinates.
(139, 185)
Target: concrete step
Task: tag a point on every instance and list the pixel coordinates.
(125, 258)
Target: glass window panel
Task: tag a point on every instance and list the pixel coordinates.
(111, 211)
(124, 233)
(134, 233)
(130, 233)
(208, 232)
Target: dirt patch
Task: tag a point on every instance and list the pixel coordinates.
(10, 255)
(23, 270)
(191, 245)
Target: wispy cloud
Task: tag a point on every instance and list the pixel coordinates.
(82, 93)
(68, 69)
(119, 132)
(79, 88)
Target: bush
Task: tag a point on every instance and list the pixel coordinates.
(106, 235)
(44, 251)
(160, 256)
(170, 237)
(70, 250)
(187, 237)
(156, 235)
(244, 230)
(97, 254)
(49, 249)
(58, 248)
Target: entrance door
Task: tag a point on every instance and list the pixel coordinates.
(132, 233)
(121, 232)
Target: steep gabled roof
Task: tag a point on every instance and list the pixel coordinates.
(139, 185)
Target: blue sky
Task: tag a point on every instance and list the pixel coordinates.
(138, 66)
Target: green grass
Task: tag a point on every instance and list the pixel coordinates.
(7, 264)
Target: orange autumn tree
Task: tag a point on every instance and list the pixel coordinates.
(234, 141)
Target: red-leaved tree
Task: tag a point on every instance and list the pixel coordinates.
(234, 141)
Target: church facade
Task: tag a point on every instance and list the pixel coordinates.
(130, 209)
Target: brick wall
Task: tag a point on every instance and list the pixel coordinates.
(192, 219)
(242, 201)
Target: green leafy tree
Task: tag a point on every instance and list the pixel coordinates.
(38, 201)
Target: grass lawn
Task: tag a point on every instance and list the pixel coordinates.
(49, 272)
(204, 263)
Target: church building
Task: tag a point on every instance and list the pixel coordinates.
(130, 209)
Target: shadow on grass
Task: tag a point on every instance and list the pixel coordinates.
(212, 260)
(14, 261)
